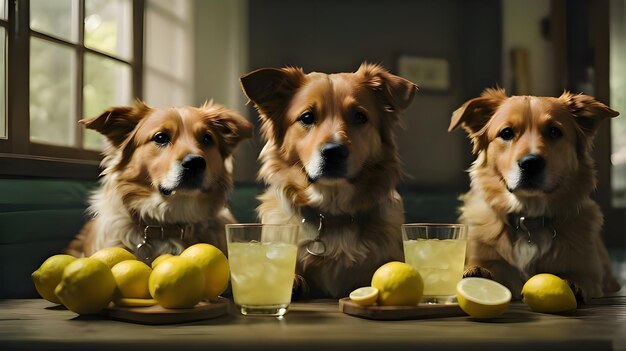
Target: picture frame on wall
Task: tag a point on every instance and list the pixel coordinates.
(431, 74)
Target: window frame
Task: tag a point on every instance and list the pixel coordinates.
(19, 156)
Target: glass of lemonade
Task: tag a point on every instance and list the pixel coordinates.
(437, 251)
(262, 260)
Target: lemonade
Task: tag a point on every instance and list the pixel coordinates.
(262, 274)
(439, 262)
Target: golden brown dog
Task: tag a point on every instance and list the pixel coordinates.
(331, 163)
(167, 174)
(528, 210)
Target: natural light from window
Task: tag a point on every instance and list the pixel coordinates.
(3, 81)
(618, 101)
(57, 68)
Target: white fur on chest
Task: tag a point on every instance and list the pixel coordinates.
(526, 250)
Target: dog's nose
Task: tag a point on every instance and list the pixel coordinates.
(334, 153)
(194, 163)
(531, 163)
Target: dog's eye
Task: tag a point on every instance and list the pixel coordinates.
(161, 138)
(207, 139)
(507, 134)
(307, 119)
(554, 133)
(360, 118)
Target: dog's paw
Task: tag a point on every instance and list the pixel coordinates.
(477, 272)
(300, 286)
(578, 291)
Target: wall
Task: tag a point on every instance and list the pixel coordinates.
(522, 29)
(335, 36)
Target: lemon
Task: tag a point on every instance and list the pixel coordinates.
(214, 265)
(48, 276)
(134, 302)
(160, 259)
(364, 296)
(482, 298)
(548, 293)
(177, 283)
(87, 286)
(131, 278)
(113, 255)
(398, 284)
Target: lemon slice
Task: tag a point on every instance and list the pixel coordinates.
(364, 296)
(134, 302)
(482, 298)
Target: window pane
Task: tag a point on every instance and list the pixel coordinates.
(3, 7)
(3, 83)
(107, 83)
(618, 102)
(108, 26)
(58, 18)
(52, 93)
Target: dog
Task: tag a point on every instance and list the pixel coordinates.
(529, 210)
(167, 174)
(330, 163)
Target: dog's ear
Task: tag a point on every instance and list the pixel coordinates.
(397, 91)
(117, 123)
(587, 111)
(233, 128)
(474, 114)
(268, 87)
(271, 89)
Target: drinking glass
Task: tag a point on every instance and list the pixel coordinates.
(262, 260)
(437, 251)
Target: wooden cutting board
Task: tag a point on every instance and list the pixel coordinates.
(160, 315)
(422, 311)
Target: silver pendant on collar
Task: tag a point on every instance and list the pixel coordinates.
(317, 247)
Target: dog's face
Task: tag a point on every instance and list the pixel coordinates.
(535, 145)
(171, 151)
(331, 126)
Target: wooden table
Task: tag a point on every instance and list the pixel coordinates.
(35, 325)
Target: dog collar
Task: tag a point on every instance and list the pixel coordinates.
(144, 250)
(529, 225)
(315, 217)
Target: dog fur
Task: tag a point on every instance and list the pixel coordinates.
(534, 160)
(330, 150)
(163, 167)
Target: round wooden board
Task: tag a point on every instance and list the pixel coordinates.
(160, 315)
(422, 311)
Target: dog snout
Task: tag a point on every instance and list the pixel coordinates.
(193, 163)
(334, 153)
(531, 164)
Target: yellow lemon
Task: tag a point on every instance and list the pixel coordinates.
(131, 278)
(160, 259)
(398, 284)
(177, 283)
(548, 293)
(113, 255)
(482, 298)
(134, 302)
(364, 296)
(48, 276)
(214, 265)
(87, 286)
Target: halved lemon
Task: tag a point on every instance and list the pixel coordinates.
(482, 298)
(364, 296)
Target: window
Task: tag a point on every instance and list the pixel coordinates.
(68, 60)
(618, 102)
(3, 53)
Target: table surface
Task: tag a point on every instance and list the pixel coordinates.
(35, 324)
